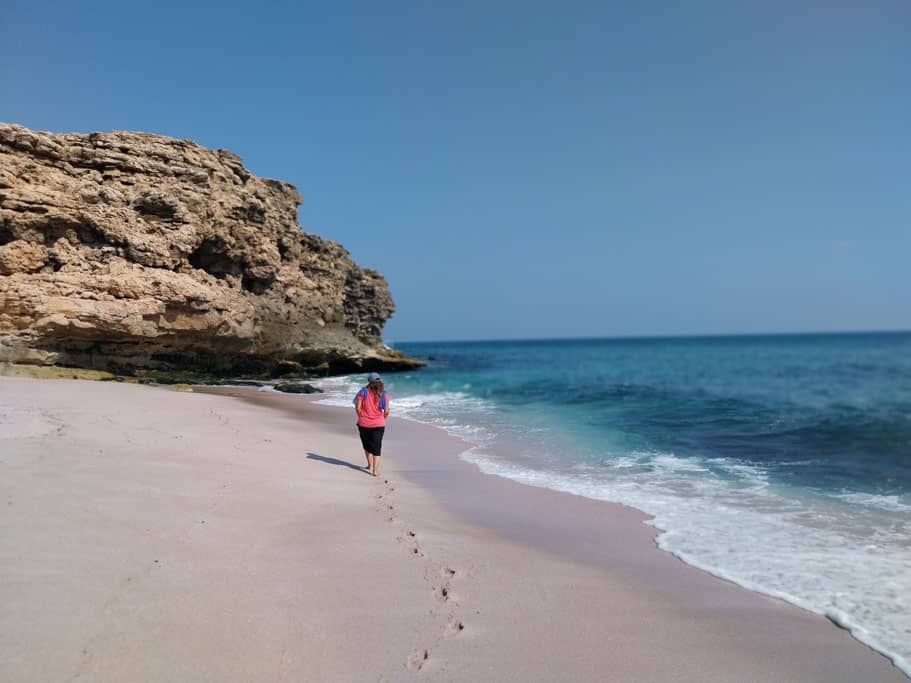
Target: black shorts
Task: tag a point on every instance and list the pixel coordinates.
(372, 439)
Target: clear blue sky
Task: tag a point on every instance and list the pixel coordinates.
(524, 169)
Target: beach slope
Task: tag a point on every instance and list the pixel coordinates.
(155, 535)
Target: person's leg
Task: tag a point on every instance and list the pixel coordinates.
(377, 449)
(365, 443)
(371, 463)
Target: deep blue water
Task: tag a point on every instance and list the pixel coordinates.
(780, 462)
(823, 411)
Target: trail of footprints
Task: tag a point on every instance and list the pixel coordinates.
(439, 577)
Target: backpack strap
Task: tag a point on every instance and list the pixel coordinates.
(363, 393)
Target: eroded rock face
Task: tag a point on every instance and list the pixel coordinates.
(127, 250)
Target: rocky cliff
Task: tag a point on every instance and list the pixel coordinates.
(121, 251)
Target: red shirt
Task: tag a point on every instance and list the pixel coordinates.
(371, 415)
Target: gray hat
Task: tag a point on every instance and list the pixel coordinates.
(373, 377)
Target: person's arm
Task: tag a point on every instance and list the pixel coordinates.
(386, 412)
(360, 405)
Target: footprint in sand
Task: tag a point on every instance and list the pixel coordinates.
(453, 628)
(442, 593)
(414, 547)
(417, 660)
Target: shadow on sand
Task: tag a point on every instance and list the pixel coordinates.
(335, 461)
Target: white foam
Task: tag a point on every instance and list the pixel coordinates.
(873, 500)
(719, 514)
(442, 409)
(338, 391)
(757, 538)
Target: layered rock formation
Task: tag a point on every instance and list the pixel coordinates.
(128, 250)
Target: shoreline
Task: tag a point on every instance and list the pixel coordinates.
(506, 506)
(468, 577)
(839, 576)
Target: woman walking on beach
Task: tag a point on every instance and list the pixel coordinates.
(372, 406)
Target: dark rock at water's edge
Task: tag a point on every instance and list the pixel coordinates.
(190, 378)
(131, 252)
(297, 388)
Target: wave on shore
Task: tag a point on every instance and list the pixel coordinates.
(841, 553)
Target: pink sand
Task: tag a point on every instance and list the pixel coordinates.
(155, 535)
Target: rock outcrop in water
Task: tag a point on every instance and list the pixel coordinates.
(121, 251)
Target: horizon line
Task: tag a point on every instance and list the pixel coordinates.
(635, 337)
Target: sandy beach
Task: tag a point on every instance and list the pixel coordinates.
(155, 535)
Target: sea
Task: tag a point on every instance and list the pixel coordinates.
(779, 462)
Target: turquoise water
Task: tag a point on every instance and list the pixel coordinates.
(782, 463)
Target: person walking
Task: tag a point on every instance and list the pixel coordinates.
(372, 407)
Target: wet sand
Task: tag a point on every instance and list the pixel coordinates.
(155, 535)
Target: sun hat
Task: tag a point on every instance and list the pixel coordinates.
(373, 377)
